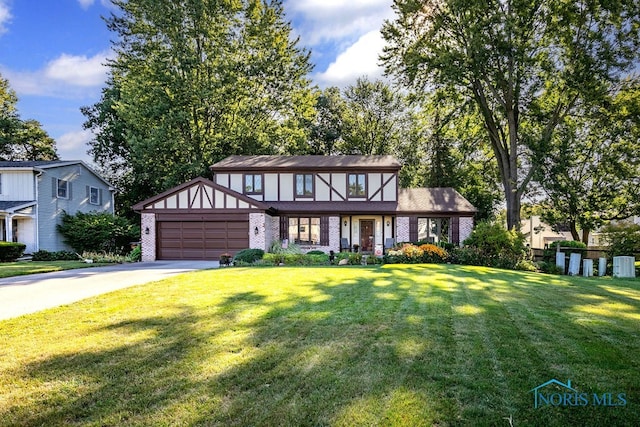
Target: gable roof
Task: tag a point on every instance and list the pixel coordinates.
(316, 163)
(193, 189)
(433, 200)
(39, 165)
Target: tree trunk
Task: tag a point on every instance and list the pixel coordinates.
(585, 236)
(574, 231)
(513, 208)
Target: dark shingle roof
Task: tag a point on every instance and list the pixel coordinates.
(433, 200)
(10, 205)
(31, 164)
(317, 163)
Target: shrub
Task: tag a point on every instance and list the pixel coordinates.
(135, 255)
(10, 251)
(43, 255)
(409, 253)
(549, 267)
(568, 247)
(315, 252)
(98, 232)
(622, 239)
(104, 257)
(276, 248)
(248, 255)
(493, 246)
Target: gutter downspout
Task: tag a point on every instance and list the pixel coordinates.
(37, 234)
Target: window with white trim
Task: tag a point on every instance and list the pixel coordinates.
(357, 185)
(94, 196)
(63, 189)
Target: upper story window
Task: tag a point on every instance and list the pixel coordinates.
(62, 189)
(357, 185)
(253, 184)
(94, 196)
(304, 185)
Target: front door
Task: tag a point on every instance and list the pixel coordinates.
(366, 235)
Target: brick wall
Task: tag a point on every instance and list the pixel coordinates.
(258, 241)
(148, 241)
(402, 229)
(466, 227)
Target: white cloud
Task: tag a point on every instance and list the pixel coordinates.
(5, 16)
(331, 20)
(86, 3)
(77, 70)
(359, 59)
(65, 76)
(74, 145)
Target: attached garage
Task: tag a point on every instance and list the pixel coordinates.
(196, 240)
(199, 220)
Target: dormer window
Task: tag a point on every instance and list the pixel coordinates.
(253, 184)
(304, 185)
(357, 185)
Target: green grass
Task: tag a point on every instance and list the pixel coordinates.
(285, 346)
(21, 268)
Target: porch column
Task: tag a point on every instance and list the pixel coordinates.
(8, 228)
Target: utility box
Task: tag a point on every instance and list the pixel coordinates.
(624, 266)
(587, 267)
(602, 266)
(574, 264)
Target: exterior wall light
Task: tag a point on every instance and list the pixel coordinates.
(256, 231)
(146, 230)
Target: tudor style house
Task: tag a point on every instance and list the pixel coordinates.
(34, 195)
(318, 202)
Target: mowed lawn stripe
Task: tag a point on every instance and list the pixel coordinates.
(391, 345)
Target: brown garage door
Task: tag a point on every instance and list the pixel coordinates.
(201, 239)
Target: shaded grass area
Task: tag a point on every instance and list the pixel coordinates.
(393, 345)
(22, 268)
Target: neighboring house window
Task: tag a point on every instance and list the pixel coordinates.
(304, 230)
(304, 185)
(357, 185)
(253, 184)
(94, 196)
(433, 230)
(63, 189)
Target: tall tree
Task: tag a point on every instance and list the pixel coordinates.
(327, 126)
(21, 139)
(592, 175)
(194, 81)
(525, 64)
(374, 119)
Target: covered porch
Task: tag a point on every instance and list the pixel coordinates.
(18, 223)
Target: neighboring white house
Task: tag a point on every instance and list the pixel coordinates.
(34, 195)
(538, 234)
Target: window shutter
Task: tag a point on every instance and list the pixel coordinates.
(284, 227)
(413, 228)
(324, 230)
(455, 230)
(88, 195)
(54, 187)
(69, 193)
(100, 196)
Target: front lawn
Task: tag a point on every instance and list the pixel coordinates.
(292, 346)
(21, 268)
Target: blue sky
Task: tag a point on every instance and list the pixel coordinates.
(53, 51)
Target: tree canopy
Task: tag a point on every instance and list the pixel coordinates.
(193, 82)
(525, 65)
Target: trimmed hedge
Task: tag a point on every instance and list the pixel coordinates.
(248, 255)
(10, 251)
(43, 255)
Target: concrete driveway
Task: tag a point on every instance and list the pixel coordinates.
(28, 294)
